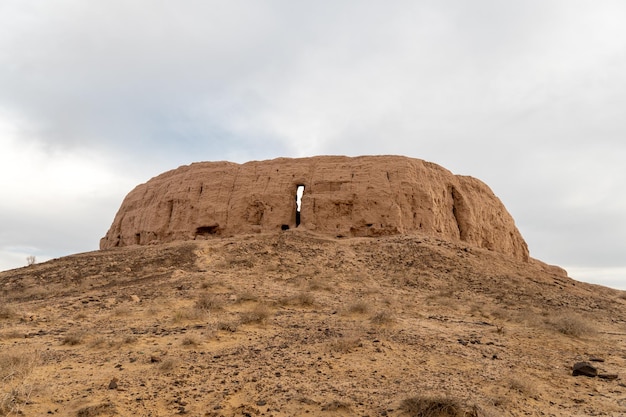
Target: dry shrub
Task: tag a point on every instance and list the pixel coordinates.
(168, 365)
(15, 367)
(523, 386)
(247, 296)
(97, 410)
(382, 318)
(226, 326)
(6, 311)
(501, 313)
(317, 284)
(105, 342)
(190, 341)
(153, 310)
(12, 400)
(572, 325)
(208, 302)
(206, 284)
(336, 406)
(240, 262)
(190, 313)
(303, 298)
(122, 311)
(73, 338)
(436, 407)
(12, 334)
(345, 344)
(526, 317)
(359, 307)
(259, 314)
(445, 298)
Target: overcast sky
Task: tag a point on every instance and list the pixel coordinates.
(528, 96)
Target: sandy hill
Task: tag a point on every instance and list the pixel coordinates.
(396, 289)
(293, 323)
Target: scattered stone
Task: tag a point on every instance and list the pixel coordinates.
(584, 369)
(261, 402)
(596, 359)
(608, 376)
(113, 383)
(135, 299)
(155, 359)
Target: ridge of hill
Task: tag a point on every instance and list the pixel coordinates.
(294, 323)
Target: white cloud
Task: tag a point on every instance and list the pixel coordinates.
(527, 96)
(611, 277)
(54, 200)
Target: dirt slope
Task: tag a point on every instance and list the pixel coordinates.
(292, 323)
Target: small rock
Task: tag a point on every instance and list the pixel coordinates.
(135, 298)
(113, 383)
(596, 359)
(155, 359)
(585, 369)
(261, 402)
(608, 376)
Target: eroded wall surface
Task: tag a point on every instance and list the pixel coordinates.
(343, 196)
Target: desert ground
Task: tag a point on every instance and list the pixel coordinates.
(294, 324)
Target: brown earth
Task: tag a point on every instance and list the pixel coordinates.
(296, 323)
(343, 196)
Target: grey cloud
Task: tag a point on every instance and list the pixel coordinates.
(527, 96)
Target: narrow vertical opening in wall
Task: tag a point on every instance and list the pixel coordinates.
(299, 193)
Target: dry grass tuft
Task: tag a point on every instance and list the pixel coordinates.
(6, 311)
(97, 410)
(208, 302)
(206, 284)
(523, 386)
(572, 325)
(190, 341)
(382, 318)
(14, 369)
(336, 406)
(359, 307)
(226, 326)
(106, 342)
(345, 344)
(259, 314)
(122, 311)
(247, 296)
(436, 407)
(317, 284)
(73, 338)
(15, 365)
(189, 313)
(168, 365)
(12, 334)
(303, 298)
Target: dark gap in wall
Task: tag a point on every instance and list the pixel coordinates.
(299, 193)
(207, 230)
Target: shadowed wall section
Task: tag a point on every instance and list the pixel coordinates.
(364, 196)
